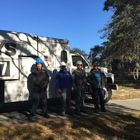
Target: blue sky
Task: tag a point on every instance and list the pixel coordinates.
(75, 20)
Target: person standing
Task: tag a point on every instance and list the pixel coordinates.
(39, 78)
(98, 81)
(64, 85)
(80, 81)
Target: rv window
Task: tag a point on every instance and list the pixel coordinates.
(64, 57)
(78, 58)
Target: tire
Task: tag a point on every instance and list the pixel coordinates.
(109, 80)
(108, 94)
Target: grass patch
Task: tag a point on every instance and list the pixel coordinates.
(125, 92)
(99, 127)
(127, 89)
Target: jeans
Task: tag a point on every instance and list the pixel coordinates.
(36, 97)
(96, 95)
(65, 97)
(80, 97)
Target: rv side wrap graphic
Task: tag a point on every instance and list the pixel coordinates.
(4, 68)
(10, 47)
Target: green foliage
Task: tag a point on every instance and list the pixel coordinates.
(78, 51)
(123, 32)
(96, 53)
(108, 3)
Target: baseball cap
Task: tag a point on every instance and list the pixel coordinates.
(63, 64)
(79, 63)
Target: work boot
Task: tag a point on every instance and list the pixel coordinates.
(46, 115)
(69, 112)
(62, 114)
(96, 110)
(103, 109)
(77, 113)
(83, 110)
(30, 117)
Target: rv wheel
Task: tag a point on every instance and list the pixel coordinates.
(108, 94)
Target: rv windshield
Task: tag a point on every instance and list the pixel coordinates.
(76, 58)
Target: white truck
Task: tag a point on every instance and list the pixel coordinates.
(18, 52)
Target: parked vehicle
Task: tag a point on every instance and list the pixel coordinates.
(18, 52)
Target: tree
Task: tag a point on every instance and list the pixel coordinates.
(77, 50)
(96, 53)
(123, 32)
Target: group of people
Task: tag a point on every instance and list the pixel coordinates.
(66, 83)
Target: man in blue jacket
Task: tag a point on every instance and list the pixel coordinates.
(64, 85)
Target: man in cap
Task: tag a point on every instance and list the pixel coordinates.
(64, 85)
(98, 81)
(39, 79)
(80, 81)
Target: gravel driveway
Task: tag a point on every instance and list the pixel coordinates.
(18, 115)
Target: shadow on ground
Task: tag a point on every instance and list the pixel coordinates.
(17, 113)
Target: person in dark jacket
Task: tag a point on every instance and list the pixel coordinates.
(98, 81)
(38, 80)
(64, 85)
(80, 81)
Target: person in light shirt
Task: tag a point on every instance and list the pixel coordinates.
(98, 82)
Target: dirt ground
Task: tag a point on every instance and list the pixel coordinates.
(126, 91)
(105, 126)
